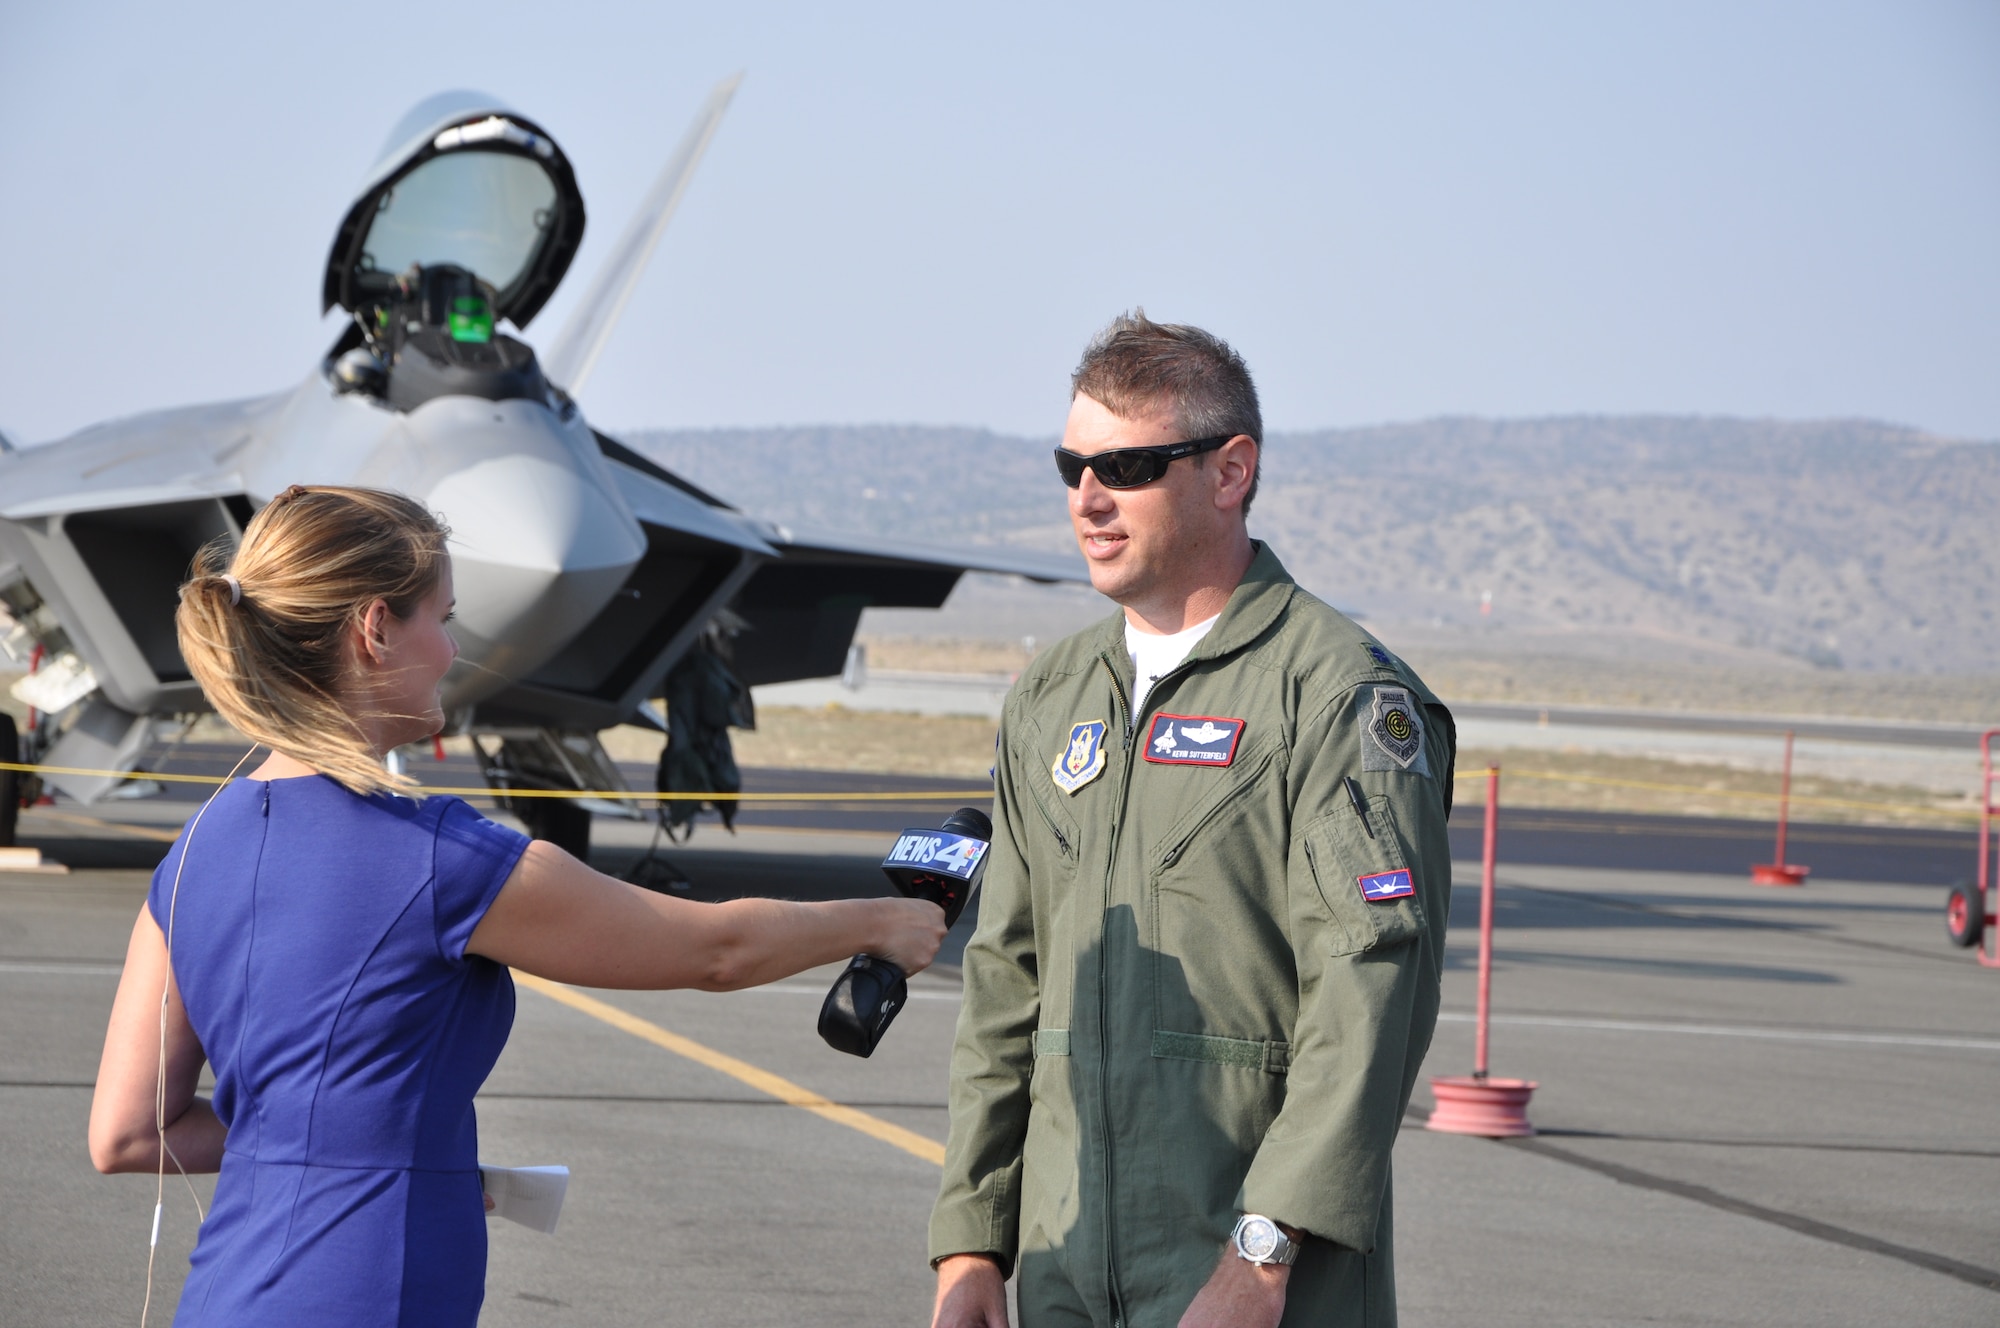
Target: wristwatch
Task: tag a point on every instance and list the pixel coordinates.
(1259, 1240)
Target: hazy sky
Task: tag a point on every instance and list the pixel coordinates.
(919, 213)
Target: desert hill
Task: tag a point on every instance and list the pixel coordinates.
(1845, 543)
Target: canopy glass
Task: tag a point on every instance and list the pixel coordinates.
(490, 212)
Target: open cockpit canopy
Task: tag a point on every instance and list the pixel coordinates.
(462, 180)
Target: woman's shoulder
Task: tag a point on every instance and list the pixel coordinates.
(463, 832)
(442, 825)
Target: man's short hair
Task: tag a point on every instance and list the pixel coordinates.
(1135, 366)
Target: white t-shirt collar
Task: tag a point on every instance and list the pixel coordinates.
(1154, 656)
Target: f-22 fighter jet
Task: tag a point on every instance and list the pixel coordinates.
(585, 572)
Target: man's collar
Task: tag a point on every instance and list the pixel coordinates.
(1253, 606)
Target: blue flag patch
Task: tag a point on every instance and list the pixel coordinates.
(1384, 886)
(1193, 740)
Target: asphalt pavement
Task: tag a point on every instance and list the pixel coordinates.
(1756, 1106)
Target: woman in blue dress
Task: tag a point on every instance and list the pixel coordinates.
(338, 951)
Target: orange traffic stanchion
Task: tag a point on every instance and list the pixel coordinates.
(1780, 872)
(1477, 1103)
(1968, 920)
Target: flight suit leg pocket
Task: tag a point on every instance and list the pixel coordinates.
(1361, 870)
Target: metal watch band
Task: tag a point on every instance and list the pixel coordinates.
(1262, 1231)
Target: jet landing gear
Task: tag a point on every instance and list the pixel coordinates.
(10, 781)
(559, 820)
(537, 759)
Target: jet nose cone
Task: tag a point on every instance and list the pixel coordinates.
(537, 551)
(529, 513)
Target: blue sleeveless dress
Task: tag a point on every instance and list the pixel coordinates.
(319, 942)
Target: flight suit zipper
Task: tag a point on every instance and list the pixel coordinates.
(1173, 855)
(1130, 726)
(1062, 840)
(1103, 1008)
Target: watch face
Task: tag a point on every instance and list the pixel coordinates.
(1257, 1238)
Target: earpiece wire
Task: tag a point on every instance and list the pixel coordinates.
(160, 1069)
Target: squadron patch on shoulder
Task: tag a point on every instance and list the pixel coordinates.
(1082, 758)
(1193, 740)
(1381, 887)
(1392, 732)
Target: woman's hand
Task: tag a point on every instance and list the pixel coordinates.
(912, 931)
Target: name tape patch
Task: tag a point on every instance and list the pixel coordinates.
(937, 851)
(1193, 740)
(1384, 886)
(1082, 757)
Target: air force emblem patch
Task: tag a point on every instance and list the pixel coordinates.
(1193, 740)
(1384, 886)
(1392, 732)
(1082, 759)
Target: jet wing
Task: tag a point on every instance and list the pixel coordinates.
(660, 498)
(162, 456)
(1042, 567)
(104, 524)
(802, 608)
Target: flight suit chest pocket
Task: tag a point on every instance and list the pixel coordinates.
(1361, 871)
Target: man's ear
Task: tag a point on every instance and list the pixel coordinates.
(1235, 469)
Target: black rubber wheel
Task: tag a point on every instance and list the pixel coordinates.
(1965, 915)
(560, 821)
(10, 781)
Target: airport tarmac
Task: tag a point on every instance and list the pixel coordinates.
(1757, 1107)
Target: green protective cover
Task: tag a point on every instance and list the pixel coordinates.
(1179, 1006)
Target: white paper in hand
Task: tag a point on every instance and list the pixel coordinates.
(532, 1196)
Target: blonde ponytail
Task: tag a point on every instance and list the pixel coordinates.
(264, 631)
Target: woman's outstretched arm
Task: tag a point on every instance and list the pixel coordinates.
(558, 919)
(124, 1135)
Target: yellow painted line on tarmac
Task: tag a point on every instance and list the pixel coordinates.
(77, 818)
(917, 1145)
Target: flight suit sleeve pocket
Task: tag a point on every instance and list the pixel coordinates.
(1363, 878)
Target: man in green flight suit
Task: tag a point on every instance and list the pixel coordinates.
(1207, 961)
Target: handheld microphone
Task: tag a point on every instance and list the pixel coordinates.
(942, 865)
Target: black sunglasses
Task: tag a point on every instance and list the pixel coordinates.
(1129, 467)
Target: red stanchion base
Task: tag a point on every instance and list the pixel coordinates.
(1778, 873)
(1489, 1108)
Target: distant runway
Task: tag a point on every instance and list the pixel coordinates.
(1892, 732)
(982, 694)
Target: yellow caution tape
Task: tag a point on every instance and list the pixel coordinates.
(110, 774)
(960, 795)
(942, 795)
